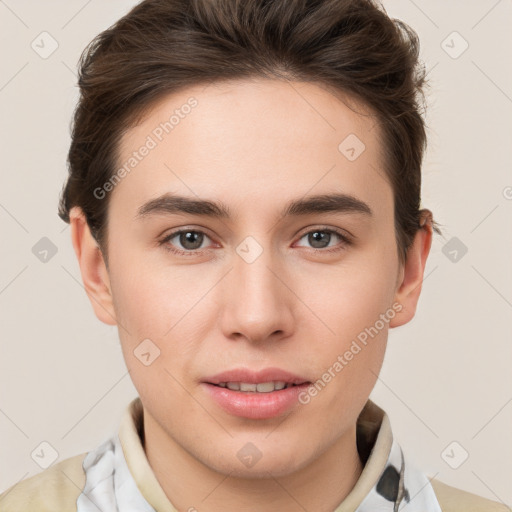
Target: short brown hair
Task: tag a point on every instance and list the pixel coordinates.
(162, 46)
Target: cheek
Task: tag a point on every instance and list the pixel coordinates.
(355, 305)
(356, 308)
(151, 299)
(156, 334)
(350, 297)
(164, 305)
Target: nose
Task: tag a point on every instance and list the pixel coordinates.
(257, 302)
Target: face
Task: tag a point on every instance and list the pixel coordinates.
(243, 288)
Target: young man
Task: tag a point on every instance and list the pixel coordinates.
(244, 197)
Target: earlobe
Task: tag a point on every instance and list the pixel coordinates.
(412, 272)
(92, 267)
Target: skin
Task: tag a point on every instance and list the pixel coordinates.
(254, 145)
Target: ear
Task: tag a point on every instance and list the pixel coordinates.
(92, 267)
(411, 272)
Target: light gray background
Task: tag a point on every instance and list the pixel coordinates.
(447, 374)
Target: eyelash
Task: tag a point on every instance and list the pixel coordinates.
(346, 241)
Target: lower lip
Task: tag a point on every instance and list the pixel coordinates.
(253, 405)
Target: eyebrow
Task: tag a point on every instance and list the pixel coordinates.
(323, 203)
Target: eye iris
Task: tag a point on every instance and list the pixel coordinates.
(191, 236)
(317, 236)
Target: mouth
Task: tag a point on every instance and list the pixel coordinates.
(255, 395)
(260, 387)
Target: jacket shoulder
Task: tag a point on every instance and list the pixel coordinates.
(452, 499)
(53, 490)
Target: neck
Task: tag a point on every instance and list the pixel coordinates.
(321, 485)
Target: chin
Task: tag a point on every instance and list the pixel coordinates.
(250, 462)
(259, 471)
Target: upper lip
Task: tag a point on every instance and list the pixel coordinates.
(255, 377)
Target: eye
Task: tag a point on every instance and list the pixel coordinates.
(320, 239)
(189, 240)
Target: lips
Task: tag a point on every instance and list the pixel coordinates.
(255, 395)
(242, 375)
(260, 387)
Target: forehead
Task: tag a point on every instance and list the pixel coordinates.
(247, 138)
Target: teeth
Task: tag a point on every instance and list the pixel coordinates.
(262, 387)
(265, 387)
(248, 387)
